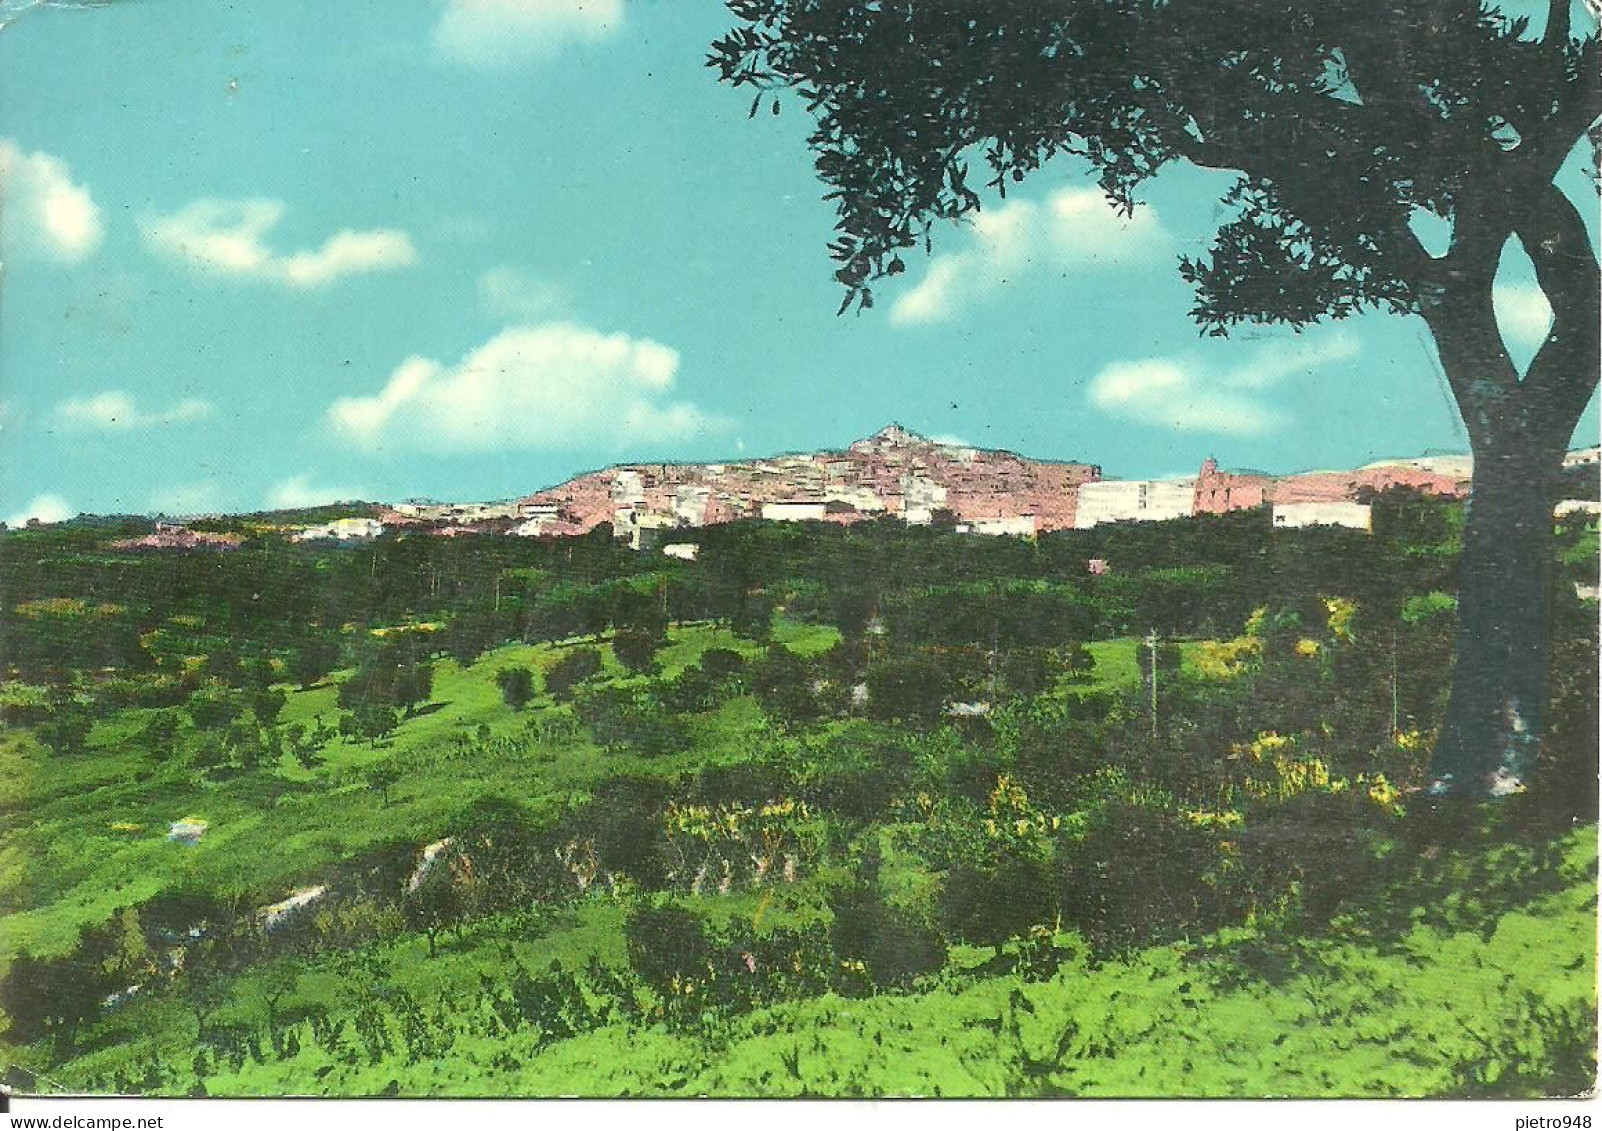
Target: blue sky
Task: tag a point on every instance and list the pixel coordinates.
(461, 249)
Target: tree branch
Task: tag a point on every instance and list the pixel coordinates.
(1565, 370)
(1557, 23)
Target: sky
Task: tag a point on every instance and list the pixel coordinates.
(264, 256)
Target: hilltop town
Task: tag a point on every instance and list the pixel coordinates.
(899, 474)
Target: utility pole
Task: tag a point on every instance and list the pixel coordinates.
(1151, 648)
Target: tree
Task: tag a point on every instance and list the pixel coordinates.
(635, 649)
(571, 670)
(436, 901)
(313, 659)
(517, 686)
(1343, 123)
(371, 721)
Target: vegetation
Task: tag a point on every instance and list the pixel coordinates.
(927, 824)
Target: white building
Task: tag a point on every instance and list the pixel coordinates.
(690, 503)
(1291, 516)
(342, 530)
(1133, 500)
(1577, 506)
(684, 551)
(628, 488)
(794, 511)
(920, 498)
(1017, 525)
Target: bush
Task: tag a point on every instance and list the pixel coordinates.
(721, 663)
(574, 668)
(635, 649)
(667, 946)
(912, 689)
(894, 945)
(517, 686)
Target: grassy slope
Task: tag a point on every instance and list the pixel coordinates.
(63, 865)
(1404, 998)
(1425, 991)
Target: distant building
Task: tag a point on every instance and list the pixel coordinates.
(1219, 492)
(1577, 506)
(1018, 526)
(684, 551)
(794, 511)
(342, 530)
(1133, 500)
(1291, 516)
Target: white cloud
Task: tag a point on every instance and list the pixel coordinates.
(1523, 314)
(556, 385)
(1189, 395)
(1074, 228)
(512, 293)
(44, 508)
(42, 210)
(116, 411)
(186, 498)
(299, 491)
(504, 33)
(228, 237)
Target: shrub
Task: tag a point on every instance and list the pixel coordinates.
(517, 686)
(635, 649)
(574, 668)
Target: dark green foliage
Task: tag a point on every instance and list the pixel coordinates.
(989, 904)
(313, 658)
(635, 649)
(575, 667)
(214, 708)
(783, 683)
(753, 617)
(721, 663)
(65, 729)
(895, 945)
(631, 718)
(912, 688)
(667, 946)
(1134, 870)
(624, 821)
(369, 722)
(517, 686)
(436, 899)
(266, 703)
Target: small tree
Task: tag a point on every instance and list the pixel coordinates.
(313, 659)
(574, 668)
(635, 649)
(369, 721)
(517, 686)
(437, 901)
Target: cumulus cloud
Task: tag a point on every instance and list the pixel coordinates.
(1523, 314)
(43, 508)
(555, 385)
(229, 237)
(116, 411)
(43, 211)
(299, 491)
(504, 33)
(1188, 394)
(514, 294)
(1074, 228)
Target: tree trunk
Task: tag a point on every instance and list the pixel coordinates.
(1493, 718)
